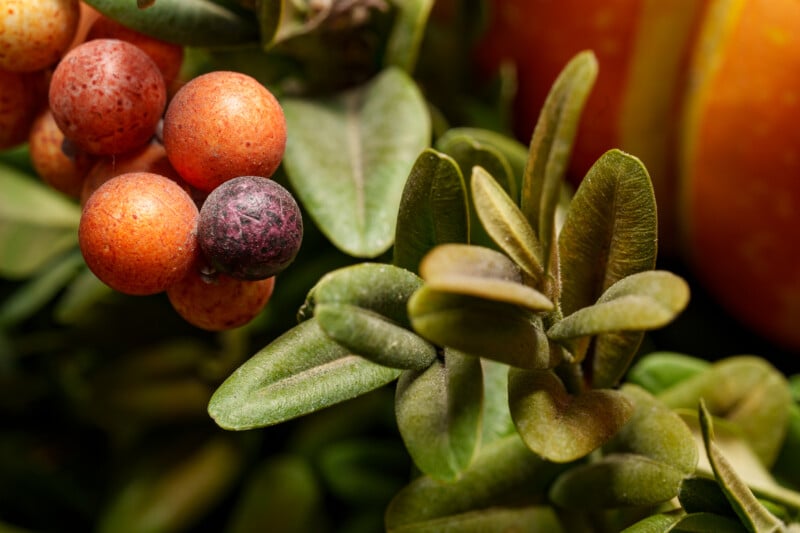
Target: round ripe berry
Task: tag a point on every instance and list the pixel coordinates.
(22, 95)
(219, 302)
(138, 233)
(167, 56)
(34, 34)
(250, 228)
(62, 171)
(107, 96)
(222, 125)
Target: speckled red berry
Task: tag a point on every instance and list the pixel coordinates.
(138, 233)
(222, 125)
(250, 228)
(22, 95)
(34, 34)
(107, 96)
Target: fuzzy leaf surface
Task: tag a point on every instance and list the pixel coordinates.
(300, 372)
(439, 414)
(348, 158)
(433, 209)
(559, 426)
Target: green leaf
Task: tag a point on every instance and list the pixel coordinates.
(482, 272)
(500, 331)
(559, 426)
(658, 371)
(506, 225)
(529, 519)
(643, 301)
(497, 421)
(270, 16)
(300, 372)
(406, 36)
(439, 413)
(656, 523)
(702, 494)
(348, 158)
(80, 296)
(433, 209)
(503, 471)
(656, 432)
(373, 337)
(610, 231)
(751, 512)
(616, 480)
(704, 522)
(200, 23)
(36, 223)
(551, 146)
(747, 391)
(40, 289)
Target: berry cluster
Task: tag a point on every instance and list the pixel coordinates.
(174, 178)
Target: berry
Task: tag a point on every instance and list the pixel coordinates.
(222, 125)
(22, 95)
(219, 302)
(138, 234)
(250, 228)
(34, 34)
(107, 96)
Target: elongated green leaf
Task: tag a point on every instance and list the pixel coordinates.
(405, 39)
(703, 494)
(656, 432)
(614, 481)
(557, 425)
(610, 231)
(703, 522)
(658, 371)
(656, 523)
(643, 301)
(745, 390)
(270, 15)
(439, 413)
(500, 331)
(433, 209)
(496, 420)
(551, 146)
(482, 272)
(187, 22)
(384, 289)
(348, 158)
(750, 511)
(529, 519)
(80, 295)
(301, 371)
(504, 469)
(506, 225)
(40, 289)
(373, 337)
(36, 223)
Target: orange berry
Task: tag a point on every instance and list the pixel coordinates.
(34, 34)
(219, 302)
(138, 233)
(223, 125)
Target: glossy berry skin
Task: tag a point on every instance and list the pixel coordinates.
(219, 302)
(22, 95)
(138, 233)
(34, 34)
(222, 125)
(107, 96)
(250, 228)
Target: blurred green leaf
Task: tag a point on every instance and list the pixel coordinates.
(643, 301)
(703, 522)
(747, 391)
(751, 512)
(348, 158)
(560, 426)
(84, 291)
(504, 471)
(433, 209)
(300, 372)
(496, 420)
(655, 523)
(281, 493)
(506, 225)
(496, 330)
(616, 480)
(477, 271)
(373, 337)
(787, 464)
(658, 371)
(406, 36)
(439, 413)
(187, 22)
(528, 519)
(269, 15)
(36, 223)
(551, 146)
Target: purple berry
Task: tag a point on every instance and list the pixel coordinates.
(250, 228)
